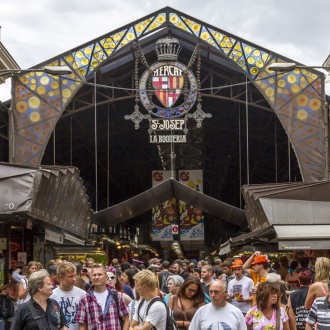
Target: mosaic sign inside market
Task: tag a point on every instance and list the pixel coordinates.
(168, 90)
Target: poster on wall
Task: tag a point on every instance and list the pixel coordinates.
(21, 258)
(191, 218)
(163, 215)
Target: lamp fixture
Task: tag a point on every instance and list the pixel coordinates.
(291, 66)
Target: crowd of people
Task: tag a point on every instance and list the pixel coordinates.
(231, 295)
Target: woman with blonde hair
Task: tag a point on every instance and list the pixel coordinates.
(23, 288)
(320, 286)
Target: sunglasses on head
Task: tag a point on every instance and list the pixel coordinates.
(111, 277)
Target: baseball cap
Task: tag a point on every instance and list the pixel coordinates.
(259, 260)
(237, 263)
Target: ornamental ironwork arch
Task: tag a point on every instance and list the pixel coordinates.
(296, 97)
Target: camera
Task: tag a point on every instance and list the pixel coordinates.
(84, 270)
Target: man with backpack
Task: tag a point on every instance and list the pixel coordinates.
(152, 313)
(102, 308)
(163, 276)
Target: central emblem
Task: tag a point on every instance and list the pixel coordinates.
(168, 90)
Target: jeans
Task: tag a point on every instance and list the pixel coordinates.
(2, 324)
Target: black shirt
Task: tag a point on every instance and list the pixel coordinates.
(52, 319)
(298, 298)
(184, 274)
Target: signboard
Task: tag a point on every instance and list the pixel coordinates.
(191, 218)
(163, 215)
(53, 236)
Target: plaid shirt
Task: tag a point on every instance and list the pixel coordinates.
(90, 312)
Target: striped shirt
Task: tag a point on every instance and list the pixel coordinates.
(320, 314)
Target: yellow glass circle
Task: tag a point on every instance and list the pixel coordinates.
(73, 87)
(66, 93)
(196, 27)
(237, 47)
(55, 84)
(33, 87)
(21, 106)
(256, 52)
(130, 36)
(251, 60)
(281, 83)
(34, 116)
(44, 80)
(223, 44)
(260, 64)
(230, 44)
(205, 35)
(180, 25)
(292, 78)
(174, 19)
(82, 72)
(97, 48)
(295, 88)
(116, 37)
(88, 50)
(263, 85)
(264, 57)
(33, 81)
(254, 70)
(226, 38)
(41, 90)
(315, 104)
(161, 19)
(79, 54)
(302, 114)
(84, 61)
(270, 91)
(248, 50)
(155, 25)
(302, 100)
(218, 36)
(34, 102)
(50, 93)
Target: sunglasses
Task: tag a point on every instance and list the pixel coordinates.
(110, 278)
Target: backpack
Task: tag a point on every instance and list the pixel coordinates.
(7, 307)
(163, 280)
(170, 322)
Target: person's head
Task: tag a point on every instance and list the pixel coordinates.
(145, 281)
(218, 263)
(67, 274)
(173, 283)
(155, 261)
(268, 294)
(52, 271)
(218, 291)
(111, 279)
(78, 266)
(32, 267)
(260, 263)
(284, 261)
(40, 283)
(166, 265)
(237, 268)
(293, 265)
(58, 261)
(127, 277)
(322, 269)
(200, 263)
(89, 262)
(99, 277)
(305, 277)
(125, 265)
(207, 272)
(226, 267)
(115, 262)
(84, 269)
(192, 289)
(177, 267)
(197, 274)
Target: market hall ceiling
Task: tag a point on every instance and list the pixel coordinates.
(275, 103)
